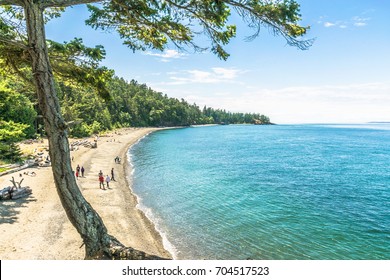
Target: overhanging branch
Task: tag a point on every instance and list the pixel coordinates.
(65, 3)
(51, 3)
(14, 43)
(11, 2)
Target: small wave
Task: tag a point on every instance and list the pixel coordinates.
(147, 211)
(157, 225)
(129, 153)
(140, 139)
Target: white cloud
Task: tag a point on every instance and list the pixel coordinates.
(340, 24)
(167, 55)
(226, 73)
(329, 24)
(359, 24)
(215, 75)
(356, 21)
(360, 21)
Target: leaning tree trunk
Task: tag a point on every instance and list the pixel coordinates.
(98, 243)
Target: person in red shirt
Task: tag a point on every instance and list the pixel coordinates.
(101, 182)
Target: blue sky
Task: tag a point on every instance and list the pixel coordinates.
(343, 78)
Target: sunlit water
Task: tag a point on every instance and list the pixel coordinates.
(268, 192)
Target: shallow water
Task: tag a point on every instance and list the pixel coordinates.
(268, 192)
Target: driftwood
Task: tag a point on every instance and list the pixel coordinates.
(22, 192)
(16, 191)
(82, 143)
(17, 185)
(5, 193)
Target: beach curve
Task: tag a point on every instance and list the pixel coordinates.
(36, 227)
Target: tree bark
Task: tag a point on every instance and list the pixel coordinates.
(98, 243)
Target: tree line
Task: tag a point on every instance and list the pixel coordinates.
(130, 104)
(137, 105)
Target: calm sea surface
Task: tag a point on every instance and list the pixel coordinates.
(268, 192)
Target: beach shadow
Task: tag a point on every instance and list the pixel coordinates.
(10, 209)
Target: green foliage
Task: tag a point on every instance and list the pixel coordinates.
(17, 117)
(17, 108)
(134, 104)
(11, 131)
(10, 152)
(74, 62)
(84, 129)
(86, 112)
(221, 116)
(2, 169)
(153, 24)
(18, 13)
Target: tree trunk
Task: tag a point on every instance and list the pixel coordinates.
(98, 243)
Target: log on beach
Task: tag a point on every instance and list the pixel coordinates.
(12, 193)
(22, 192)
(16, 191)
(5, 193)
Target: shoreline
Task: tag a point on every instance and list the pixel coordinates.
(128, 171)
(26, 225)
(128, 174)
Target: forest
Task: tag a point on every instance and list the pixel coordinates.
(129, 104)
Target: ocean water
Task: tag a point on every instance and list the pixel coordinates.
(268, 192)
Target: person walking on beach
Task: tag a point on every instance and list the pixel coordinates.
(108, 180)
(77, 171)
(112, 174)
(82, 171)
(101, 182)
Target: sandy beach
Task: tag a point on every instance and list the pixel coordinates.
(36, 227)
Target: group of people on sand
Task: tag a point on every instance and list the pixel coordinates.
(107, 179)
(103, 180)
(79, 171)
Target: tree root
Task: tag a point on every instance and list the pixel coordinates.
(115, 250)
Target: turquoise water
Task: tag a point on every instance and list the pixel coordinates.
(268, 192)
